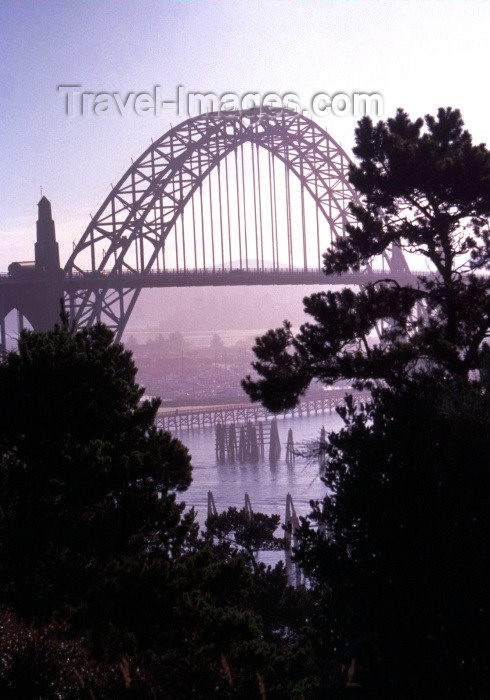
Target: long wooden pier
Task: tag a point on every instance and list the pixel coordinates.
(202, 416)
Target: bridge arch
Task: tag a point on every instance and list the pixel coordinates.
(129, 231)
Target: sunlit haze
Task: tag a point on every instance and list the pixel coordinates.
(416, 54)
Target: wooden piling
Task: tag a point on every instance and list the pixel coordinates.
(290, 456)
(275, 444)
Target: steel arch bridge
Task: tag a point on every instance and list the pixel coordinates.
(160, 214)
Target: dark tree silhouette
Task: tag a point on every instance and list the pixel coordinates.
(401, 555)
(424, 191)
(398, 546)
(245, 532)
(106, 590)
(86, 477)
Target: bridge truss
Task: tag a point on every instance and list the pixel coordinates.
(249, 192)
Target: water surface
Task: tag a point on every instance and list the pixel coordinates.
(266, 484)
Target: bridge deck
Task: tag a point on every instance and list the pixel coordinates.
(203, 278)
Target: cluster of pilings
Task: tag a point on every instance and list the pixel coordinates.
(250, 444)
(247, 447)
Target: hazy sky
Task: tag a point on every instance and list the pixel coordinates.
(419, 54)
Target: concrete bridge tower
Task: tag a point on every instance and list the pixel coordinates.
(46, 252)
(35, 287)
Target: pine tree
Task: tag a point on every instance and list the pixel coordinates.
(425, 189)
(398, 547)
(86, 477)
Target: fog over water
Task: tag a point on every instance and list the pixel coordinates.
(217, 308)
